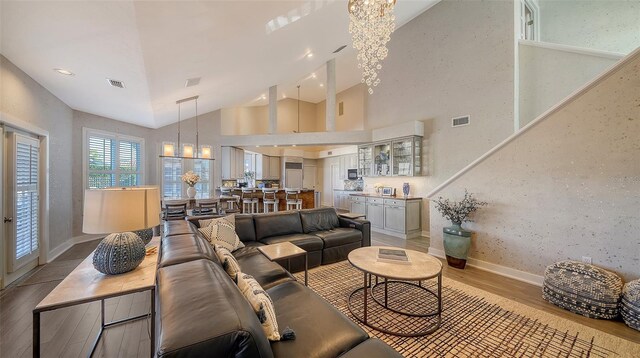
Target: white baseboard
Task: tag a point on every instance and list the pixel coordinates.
(59, 250)
(497, 269)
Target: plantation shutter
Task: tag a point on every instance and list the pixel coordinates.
(113, 160)
(26, 208)
(171, 177)
(101, 162)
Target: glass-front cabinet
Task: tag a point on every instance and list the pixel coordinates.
(365, 160)
(382, 159)
(399, 157)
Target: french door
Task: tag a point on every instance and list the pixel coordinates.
(22, 214)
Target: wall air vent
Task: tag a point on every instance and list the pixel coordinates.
(115, 83)
(340, 49)
(192, 82)
(460, 121)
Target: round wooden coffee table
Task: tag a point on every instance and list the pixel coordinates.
(421, 267)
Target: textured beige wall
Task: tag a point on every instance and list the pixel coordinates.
(354, 105)
(566, 188)
(255, 120)
(602, 25)
(26, 100)
(82, 119)
(454, 59)
(547, 76)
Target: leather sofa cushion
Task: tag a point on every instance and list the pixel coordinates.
(372, 348)
(202, 313)
(321, 330)
(177, 249)
(319, 219)
(249, 249)
(339, 236)
(178, 227)
(303, 241)
(245, 229)
(277, 224)
(266, 272)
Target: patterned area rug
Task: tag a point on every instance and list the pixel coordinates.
(475, 323)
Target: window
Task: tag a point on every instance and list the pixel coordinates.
(529, 20)
(112, 160)
(172, 170)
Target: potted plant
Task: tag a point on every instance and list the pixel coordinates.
(191, 179)
(456, 239)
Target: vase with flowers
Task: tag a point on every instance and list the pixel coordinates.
(191, 179)
(457, 240)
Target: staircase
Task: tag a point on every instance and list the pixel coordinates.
(567, 185)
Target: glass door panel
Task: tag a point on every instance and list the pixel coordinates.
(365, 161)
(382, 159)
(417, 156)
(402, 157)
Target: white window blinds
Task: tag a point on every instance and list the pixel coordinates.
(26, 212)
(113, 160)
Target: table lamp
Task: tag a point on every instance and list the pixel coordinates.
(117, 212)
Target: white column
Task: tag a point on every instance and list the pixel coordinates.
(331, 96)
(273, 109)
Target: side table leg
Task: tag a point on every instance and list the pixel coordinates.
(386, 293)
(36, 334)
(439, 293)
(306, 268)
(153, 322)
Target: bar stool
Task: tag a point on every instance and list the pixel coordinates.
(229, 201)
(293, 200)
(249, 201)
(206, 207)
(269, 200)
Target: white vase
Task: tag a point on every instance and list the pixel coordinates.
(191, 192)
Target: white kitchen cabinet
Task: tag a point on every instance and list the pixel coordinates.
(232, 163)
(393, 216)
(375, 214)
(274, 168)
(358, 204)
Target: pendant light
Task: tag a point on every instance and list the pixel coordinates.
(187, 150)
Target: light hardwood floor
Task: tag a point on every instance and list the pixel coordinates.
(70, 332)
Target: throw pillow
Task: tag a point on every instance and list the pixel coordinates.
(261, 304)
(229, 263)
(230, 219)
(221, 231)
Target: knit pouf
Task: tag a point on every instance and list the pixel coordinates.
(630, 305)
(583, 288)
(119, 253)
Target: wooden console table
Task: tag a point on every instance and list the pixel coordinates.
(85, 284)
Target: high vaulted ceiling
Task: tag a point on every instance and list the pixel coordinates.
(237, 48)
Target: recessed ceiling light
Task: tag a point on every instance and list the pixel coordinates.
(313, 75)
(293, 145)
(284, 96)
(310, 54)
(257, 146)
(64, 72)
(275, 146)
(263, 97)
(322, 85)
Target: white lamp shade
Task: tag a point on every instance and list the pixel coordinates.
(116, 210)
(168, 149)
(205, 152)
(187, 150)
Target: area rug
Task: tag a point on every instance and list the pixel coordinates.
(475, 323)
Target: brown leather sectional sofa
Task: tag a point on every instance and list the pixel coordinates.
(201, 312)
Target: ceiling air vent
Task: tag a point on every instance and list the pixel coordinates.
(340, 49)
(460, 121)
(115, 83)
(192, 82)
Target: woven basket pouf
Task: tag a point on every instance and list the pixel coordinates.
(583, 289)
(630, 304)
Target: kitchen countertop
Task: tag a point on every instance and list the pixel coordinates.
(260, 189)
(372, 195)
(350, 190)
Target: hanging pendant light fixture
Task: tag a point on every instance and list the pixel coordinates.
(187, 150)
(371, 24)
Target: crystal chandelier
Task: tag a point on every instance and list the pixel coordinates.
(371, 24)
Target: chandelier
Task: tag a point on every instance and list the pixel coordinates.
(371, 24)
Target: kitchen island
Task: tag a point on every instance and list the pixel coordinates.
(307, 196)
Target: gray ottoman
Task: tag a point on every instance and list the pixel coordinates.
(583, 288)
(630, 305)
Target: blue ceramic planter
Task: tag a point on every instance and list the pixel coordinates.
(457, 242)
